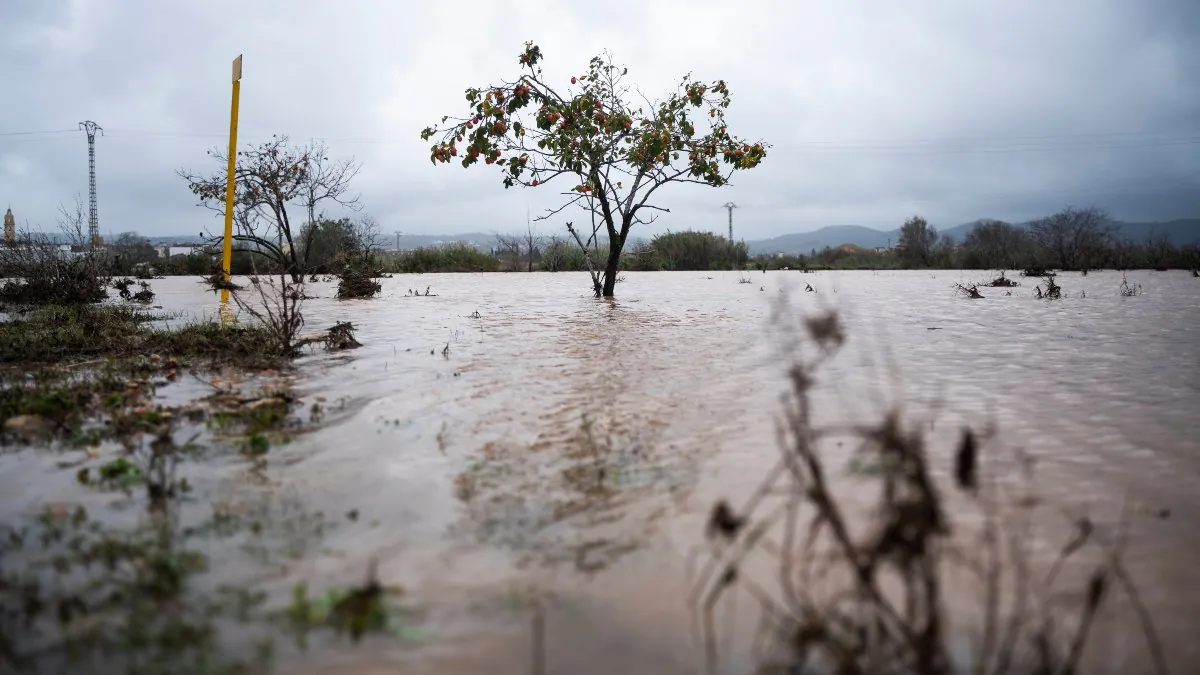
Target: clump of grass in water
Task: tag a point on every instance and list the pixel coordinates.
(74, 591)
(76, 594)
(78, 333)
(356, 611)
(850, 600)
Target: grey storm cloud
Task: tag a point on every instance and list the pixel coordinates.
(876, 110)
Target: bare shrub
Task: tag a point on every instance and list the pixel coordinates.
(1053, 290)
(845, 596)
(277, 310)
(1129, 290)
(39, 271)
(1002, 282)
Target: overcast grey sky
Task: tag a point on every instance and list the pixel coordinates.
(876, 109)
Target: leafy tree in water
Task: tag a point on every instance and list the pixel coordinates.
(917, 241)
(610, 157)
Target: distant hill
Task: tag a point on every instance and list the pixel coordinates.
(1179, 232)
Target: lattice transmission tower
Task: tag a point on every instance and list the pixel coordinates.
(730, 206)
(90, 128)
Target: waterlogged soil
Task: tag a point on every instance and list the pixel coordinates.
(534, 468)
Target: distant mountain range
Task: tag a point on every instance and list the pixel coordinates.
(1179, 232)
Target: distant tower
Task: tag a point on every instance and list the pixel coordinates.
(90, 128)
(10, 228)
(730, 206)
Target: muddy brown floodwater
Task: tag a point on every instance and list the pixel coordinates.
(457, 432)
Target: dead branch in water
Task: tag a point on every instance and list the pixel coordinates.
(852, 599)
(217, 282)
(970, 291)
(338, 337)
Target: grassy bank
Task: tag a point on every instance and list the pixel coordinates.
(66, 334)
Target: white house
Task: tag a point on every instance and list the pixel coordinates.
(167, 251)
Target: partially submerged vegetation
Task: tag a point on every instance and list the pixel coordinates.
(37, 273)
(969, 291)
(1129, 290)
(839, 595)
(83, 590)
(1053, 290)
(63, 335)
(1002, 282)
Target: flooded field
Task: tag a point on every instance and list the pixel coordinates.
(507, 440)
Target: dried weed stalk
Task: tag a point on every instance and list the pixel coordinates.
(278, 309)
(1129, 290)
(840, 595)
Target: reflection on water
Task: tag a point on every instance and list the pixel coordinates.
(511, 431)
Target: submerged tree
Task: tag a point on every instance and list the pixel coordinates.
(613, 156)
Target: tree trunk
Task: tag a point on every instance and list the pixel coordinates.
(611, 268)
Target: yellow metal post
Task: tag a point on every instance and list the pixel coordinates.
(230, 183)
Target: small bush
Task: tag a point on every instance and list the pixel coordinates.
(357, 278)
(39, 273)
(357, 284)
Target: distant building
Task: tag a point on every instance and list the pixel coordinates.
(10, 228)
(168, 251)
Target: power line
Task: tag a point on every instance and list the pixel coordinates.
(947, 146)
(38, 133)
